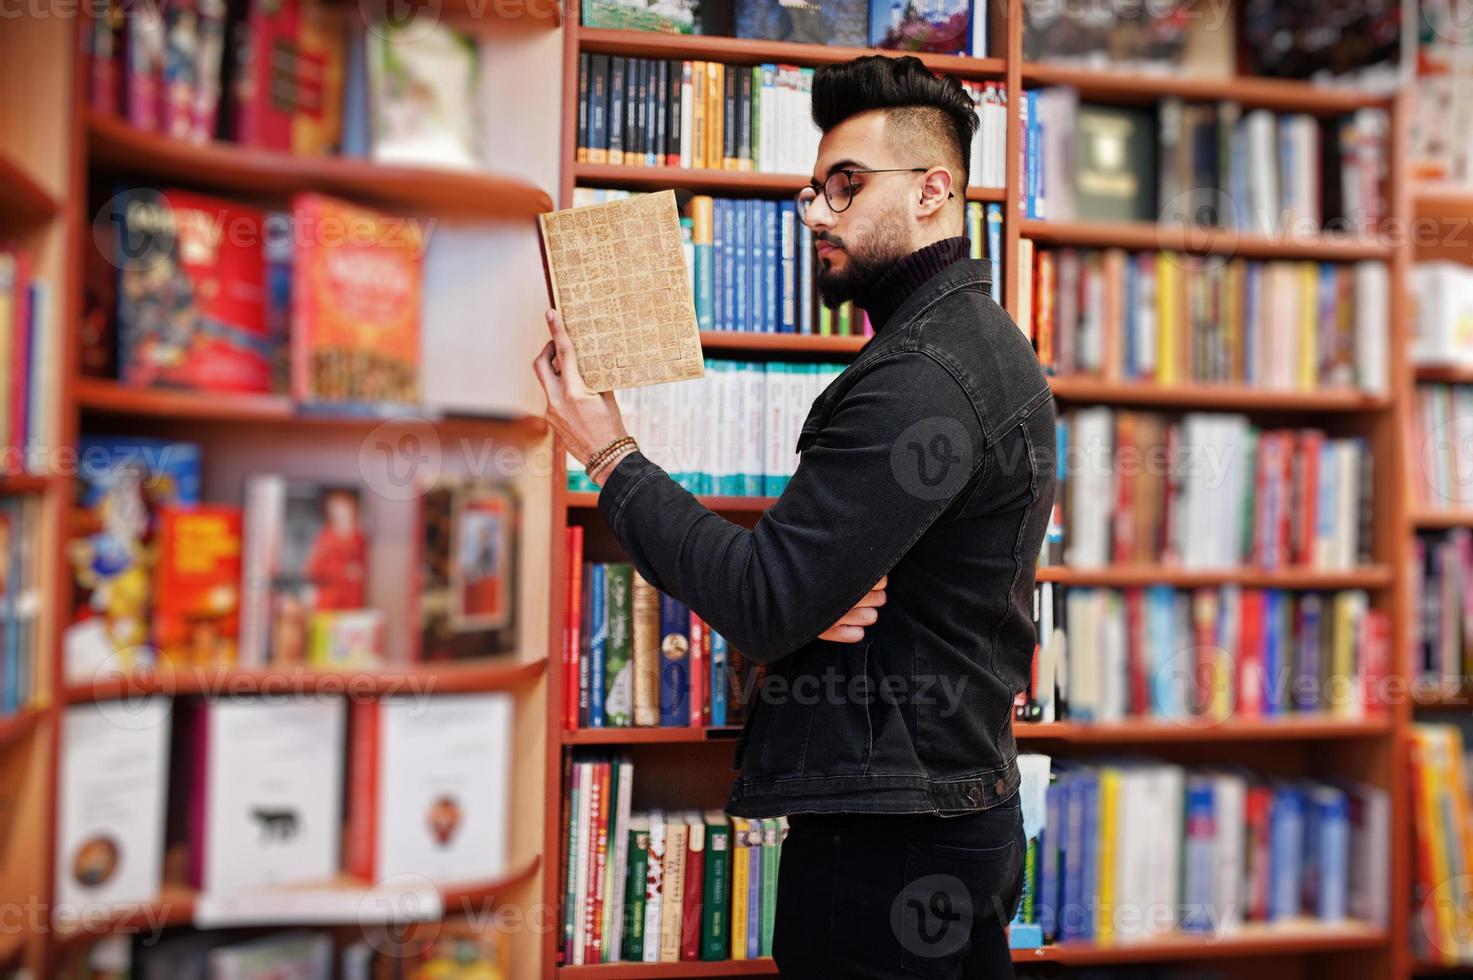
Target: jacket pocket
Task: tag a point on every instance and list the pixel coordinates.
(949, 891)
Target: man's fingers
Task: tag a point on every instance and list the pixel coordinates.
(567, 358)
(842, 634)
(859, 616)
(875, 597)
(552, 382)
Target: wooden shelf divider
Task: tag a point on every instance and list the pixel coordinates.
(22, 200)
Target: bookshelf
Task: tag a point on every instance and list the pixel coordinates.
(55, 155)
(1362, 748)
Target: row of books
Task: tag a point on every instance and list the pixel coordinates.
(730, 432)
(211, 294)
(1442, 597)
(28, 359)
(634, 656)
(296, 76)
(1170, 318)
(282, 581)
(1210, 165)
(263, 784)
(1441, 814)
(1441, 436)
(1208, 490)
(1205, 655)
(20, 601)
(1137, 849)
(657, 885)
(949, 27)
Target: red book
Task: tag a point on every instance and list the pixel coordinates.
(573, 626)
(1311, 442)
(191, 293)
(1258, 813)
(1375, 659)
(356, 297)
(1250, 655)
(598, 870)
(1135, 668)
(699, 644)
(691, 919)
(20, 356)
(196, 619)
(362, 828)
(1122, 524)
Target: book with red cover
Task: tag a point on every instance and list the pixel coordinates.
(357, 283)
(196, 617)
(191, 300)
(572, 628)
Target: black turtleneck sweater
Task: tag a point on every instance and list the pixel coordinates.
(884, 297)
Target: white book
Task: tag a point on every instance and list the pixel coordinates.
(583, 778)
(754, 431)
(111, 790)
(1370, 859)
(272, 782)
(618, 866)
(767, 159)
(686, 109)
(1229, 799)
(264, 512)
(443, 777)
(672, 907)
(1091, 492)
(654, 887)
(1372, 299)
(776, 412)
(1261, 128)
(720, 425)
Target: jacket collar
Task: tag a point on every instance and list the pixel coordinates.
(903, 278)
(964, 274)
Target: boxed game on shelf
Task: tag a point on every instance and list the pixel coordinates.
(468, 564)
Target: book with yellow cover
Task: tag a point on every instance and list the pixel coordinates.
(617, 273)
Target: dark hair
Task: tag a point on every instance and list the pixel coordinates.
(931, 105)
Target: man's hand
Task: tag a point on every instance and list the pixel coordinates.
(850, 627)
(585, 420)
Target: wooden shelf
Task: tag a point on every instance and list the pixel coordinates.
(22, 200)
(1132, 576)
(1169, 237)
(15, 727)
(711, 181)
(105, 397)
(1237, 397)
(1444, 373)
(176, 904)
(1433, 968)
(1254, 939)
(1250, 92)
(18, 483)
(733, 50)
(115, 147)
(12, 949)
(419, 679)
(479, 15)
(650, 736)
(1442, 201)
(1148, 731)
(1433, 518)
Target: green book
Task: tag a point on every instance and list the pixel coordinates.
(715, 941)
(843, 322)
(825, 324)
(757, 116)
(771, 849)
(618, 668)
(632, 950)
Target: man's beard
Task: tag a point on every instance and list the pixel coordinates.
(868, 260)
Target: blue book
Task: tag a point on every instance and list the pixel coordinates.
(1030, 154)
(717, 684)
(741, 317)
(703, 255)
(1199, 866)
(585, 661)
(1089, 889)
(804, 298)
(994, 248)
(1307, 652)
(1273, 651)
(1070, 925)
(1168, 673)
(771, 267)
(674, 662)
(788, 282)
(757, 281)
(598, 638)
(1132, 301)
(1332, 844)
(754, 891)
(1252, 296)
(1285, 852)
(726, 266)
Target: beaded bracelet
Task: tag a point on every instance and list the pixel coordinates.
(596, 461)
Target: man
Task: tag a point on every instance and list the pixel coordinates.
(927, 466)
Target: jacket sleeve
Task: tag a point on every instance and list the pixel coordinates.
(898, 447)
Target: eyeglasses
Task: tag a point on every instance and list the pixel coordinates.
(839, 186)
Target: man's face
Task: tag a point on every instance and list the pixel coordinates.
(860, 243)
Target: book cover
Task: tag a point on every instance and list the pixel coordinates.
(356, 305)
(423, 82)
(191, 292)
(278, 957)
(936, 26)
(468, 564)
(267, 806)
(674, 661)
(665, 16)
(1115, 163)
(837, 22)
(196, 618)
(111, 787)
(617, 273)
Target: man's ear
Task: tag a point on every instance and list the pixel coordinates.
(936, 188)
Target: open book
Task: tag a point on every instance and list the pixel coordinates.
(617, 273)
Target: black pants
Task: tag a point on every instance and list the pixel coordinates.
(876, 896)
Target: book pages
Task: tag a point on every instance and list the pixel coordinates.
(619, 278)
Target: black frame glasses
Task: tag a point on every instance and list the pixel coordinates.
(809, 194)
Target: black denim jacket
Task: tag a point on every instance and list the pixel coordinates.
(930, 458)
